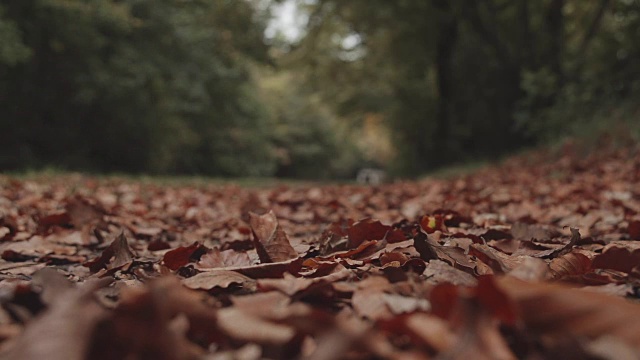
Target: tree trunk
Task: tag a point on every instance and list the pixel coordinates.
(555, 27)
(527, 47)
(445, 45)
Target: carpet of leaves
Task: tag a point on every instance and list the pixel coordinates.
(529, 259)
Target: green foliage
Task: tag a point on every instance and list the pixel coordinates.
(459, 80)
(12, 49)
(603, 76)
(133, 85)
(308, 143)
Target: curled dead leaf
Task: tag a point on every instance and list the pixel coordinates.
(270, 240)
(118, 254)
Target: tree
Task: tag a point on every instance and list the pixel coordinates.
(457, 80)
(134, 85)
(12, 49)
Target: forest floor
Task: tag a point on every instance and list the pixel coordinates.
(537, 257)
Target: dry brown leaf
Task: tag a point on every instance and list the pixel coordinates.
(531, 269)
(570, 264)
(431, 330)
(82, 213)
(618, 257)
(220, 279)
(634, 229)
(499, 262)
(183, 255)
(522, 231)
(221, 259)
(64, 331)
(438, 271)
(368, 300)
(268, 270)
(270, 240)
(292, 285)
(158, 321)
(399, 304)
(242, 326)
(118, 254)
(565, 312)
(358, 290)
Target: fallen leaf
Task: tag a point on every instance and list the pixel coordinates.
(81, 212)
(432, 331)
(570, 264)
(57, 219)
(454, 256)
(522, 231)
(617, 257)
(221, 259)
(113, 257)
(268, 270)
(183, 255)
(366, 229)
(438, 271)
(292, 285)
(564, 312)
(620, 290)
(270, 240)
(368, 300)
(161, 321)
(495, 300)
(64, 331)
(220, 279)
(242, 326)
(634, 230)
(399, 304)
(432, 223)
(531, 269)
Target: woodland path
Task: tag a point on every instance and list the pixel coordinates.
(538, 257)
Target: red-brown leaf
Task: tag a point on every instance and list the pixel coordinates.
(634, 230)
(571, 313)
(116, 255)
(270, 240)
(617, 257)
(366, 229)
(64, 331)
(570, 264)
(183, 255)
(81, 212)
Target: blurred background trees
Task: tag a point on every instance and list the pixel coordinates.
(459, 80)
(195, 87)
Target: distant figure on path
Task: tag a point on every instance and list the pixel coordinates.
(371, 176)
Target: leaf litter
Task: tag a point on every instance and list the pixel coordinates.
(527, 259)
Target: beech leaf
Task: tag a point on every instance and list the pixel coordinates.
(565, 312)
(270, 240)
(115, 256)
